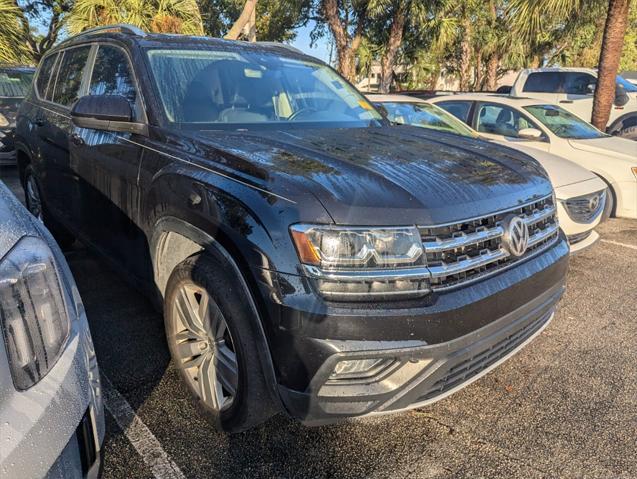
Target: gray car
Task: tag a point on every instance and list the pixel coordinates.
(51, 412)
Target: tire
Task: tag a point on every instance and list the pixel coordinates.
(199, 343)
(37, 207)
(629, 133)
(609, 208)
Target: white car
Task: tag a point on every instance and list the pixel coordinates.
(51, 413)
(550, 128)
(574, 89)
(581, 194)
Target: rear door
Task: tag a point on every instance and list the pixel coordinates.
(107, 164)
(55, 129)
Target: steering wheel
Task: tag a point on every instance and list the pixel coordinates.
(302, 111)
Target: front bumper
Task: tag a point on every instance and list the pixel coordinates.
(434, 347)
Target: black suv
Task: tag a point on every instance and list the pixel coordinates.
(15, 82)
(308, 256)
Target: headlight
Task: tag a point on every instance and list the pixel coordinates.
(33, 314)
(3, 121)
(359, 263)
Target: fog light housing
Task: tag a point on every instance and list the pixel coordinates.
(360, 368)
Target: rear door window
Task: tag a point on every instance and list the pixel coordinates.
(69, 79)
(112, 75)
(44, 75)
(576, 83)
(459, 109)
(543, 82)
(501, 120)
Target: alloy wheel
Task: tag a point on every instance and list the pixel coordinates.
(203, 347)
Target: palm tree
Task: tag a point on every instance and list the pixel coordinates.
(159, 16)
(12, 47)
(529, 16)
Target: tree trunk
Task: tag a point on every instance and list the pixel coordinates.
(346, 45)
(612, 44)
(433, 80)
(477, 84)
(393, 44)
(492, 72)
(242, 21)
(465, 59)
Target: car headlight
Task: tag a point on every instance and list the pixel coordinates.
(33, 314)
(3, 121)
(358, 263)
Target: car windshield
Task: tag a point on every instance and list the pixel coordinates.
(425, 115)
(208, 89)
(562, 123)
(15, 83)
(629, 87)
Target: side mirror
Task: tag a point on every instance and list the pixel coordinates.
(621, 97)
(530, 134)
(106, 113)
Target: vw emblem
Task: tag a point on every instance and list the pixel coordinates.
(593, 203)
(516, 235)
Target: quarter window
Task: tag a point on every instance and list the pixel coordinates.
(44, 74)
(69, 80)
(112, 75)
(501, 120)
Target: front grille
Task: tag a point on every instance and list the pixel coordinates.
(585, 209)
(465, 370)
(574, 239)
(466, 251)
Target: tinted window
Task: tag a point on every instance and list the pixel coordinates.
(425, 115)
(563, 123)
(579, 83)
(15, 83)
(459, 109)
(501, 120)
(629, 87)
(112, 75)
(543, 82)
(44, 74)
(67, 87)
(255, 89)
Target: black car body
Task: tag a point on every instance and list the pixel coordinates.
(149, 194)
(14, 83)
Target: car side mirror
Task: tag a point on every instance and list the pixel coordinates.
(530, 134)
(621, 97)
(106, 113)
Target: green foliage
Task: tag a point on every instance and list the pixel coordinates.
(277, 20)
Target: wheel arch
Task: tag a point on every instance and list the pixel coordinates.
(174, 240)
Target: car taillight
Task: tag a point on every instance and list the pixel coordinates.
(33, 315)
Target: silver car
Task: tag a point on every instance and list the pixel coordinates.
(51, 412)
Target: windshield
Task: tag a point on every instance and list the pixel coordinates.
(208, 89)
(426, 115)
(562, 123)
(14, 83)
(629, 87)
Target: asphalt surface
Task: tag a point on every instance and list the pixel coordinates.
(565, 406)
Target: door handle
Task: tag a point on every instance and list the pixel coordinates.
(77, 139)
(566, 101)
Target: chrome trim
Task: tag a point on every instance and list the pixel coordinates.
(367, 275)
(468, 264)
(539, 215)
(495, 213)
(462, 241)
(543, 234)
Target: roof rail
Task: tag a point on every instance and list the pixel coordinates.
(116, 28)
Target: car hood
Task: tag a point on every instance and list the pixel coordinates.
(608, 146)
(397, 175)
(561, 171)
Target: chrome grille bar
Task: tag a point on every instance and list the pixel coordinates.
(468, 264)
(540, 215)
(544, 234)
(463, 240)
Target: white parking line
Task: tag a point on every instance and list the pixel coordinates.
(616, 243)
(142, 439)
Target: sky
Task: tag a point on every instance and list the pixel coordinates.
(302, 41)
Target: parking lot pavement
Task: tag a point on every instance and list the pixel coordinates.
(564, 406)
